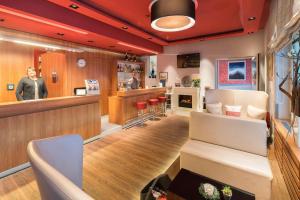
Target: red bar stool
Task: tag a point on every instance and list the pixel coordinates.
(162, 101)
(153, 107)
(141, 106)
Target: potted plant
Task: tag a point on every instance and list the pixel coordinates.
(227, 192)
(196, 82)
(209, 191)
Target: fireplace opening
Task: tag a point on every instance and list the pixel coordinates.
(185, 101)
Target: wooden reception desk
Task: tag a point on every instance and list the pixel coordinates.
(122, 107)
(21, 122)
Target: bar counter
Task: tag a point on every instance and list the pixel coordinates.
(21, 122)
(122, 107)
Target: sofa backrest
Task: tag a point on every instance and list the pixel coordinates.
(247, 135)
(243, 98)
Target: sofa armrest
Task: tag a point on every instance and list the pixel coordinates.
(247, 135)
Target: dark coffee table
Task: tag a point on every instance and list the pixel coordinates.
(186, 183)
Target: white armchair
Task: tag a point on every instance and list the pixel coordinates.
(57, 165)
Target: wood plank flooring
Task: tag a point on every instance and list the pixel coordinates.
(118, 166)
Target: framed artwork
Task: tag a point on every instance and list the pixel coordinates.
(236, 70)
(153, 67)
(237, 73)
(163, 75)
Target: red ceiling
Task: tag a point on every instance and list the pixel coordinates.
(103, 21)
(137, 13)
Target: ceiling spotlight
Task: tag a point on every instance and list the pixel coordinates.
(251, 18)
(74, 6)
(90, 41)
(60, 34)
(149, 38)
(172, 16)
(124, 27)
(2, 20)
(250, 32)
(111, 46)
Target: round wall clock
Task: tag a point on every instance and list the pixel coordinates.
(81, 62)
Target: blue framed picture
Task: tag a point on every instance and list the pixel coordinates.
(236, 70)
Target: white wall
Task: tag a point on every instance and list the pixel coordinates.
(236, 47)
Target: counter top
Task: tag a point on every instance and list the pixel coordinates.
(32, 106)
(138, 92)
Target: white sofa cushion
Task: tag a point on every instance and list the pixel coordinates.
(214, 108)
(233, 110)
(244, 98)
(242, 134)
(256, 113)
(243, 170)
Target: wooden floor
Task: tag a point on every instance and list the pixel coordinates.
(118, 166)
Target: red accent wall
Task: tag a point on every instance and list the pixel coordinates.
(223, 73)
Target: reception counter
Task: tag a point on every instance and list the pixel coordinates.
(122, 107)
(21, 122)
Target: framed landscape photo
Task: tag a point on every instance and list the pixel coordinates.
(237, 70)
(163, 75)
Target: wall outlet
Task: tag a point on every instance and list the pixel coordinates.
(10, 86)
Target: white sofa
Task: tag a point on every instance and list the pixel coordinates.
(232, 150)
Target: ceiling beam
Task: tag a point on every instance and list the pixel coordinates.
(99, 15)
(44, 10)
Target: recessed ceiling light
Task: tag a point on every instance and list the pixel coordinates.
(149, 38)
(74, 6)
(111, 46)
(251, 18)
(124, 27)
(90, 41)
(60, 34)
(129, 50)
(2, 20)
(250, 32)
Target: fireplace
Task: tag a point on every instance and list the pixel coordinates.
(185, 101)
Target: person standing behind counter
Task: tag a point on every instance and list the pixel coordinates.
(31, 87)
(133, 81)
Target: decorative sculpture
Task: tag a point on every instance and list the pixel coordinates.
(294, 96)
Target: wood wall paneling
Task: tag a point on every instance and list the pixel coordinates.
(53, 62)
(15, 58)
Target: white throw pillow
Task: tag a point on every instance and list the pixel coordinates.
(256, 113)
(233, 110)
(214, 108)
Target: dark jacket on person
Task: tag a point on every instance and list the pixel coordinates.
(135, 83)
(26, 89)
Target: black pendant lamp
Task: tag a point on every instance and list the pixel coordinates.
(172, 15)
